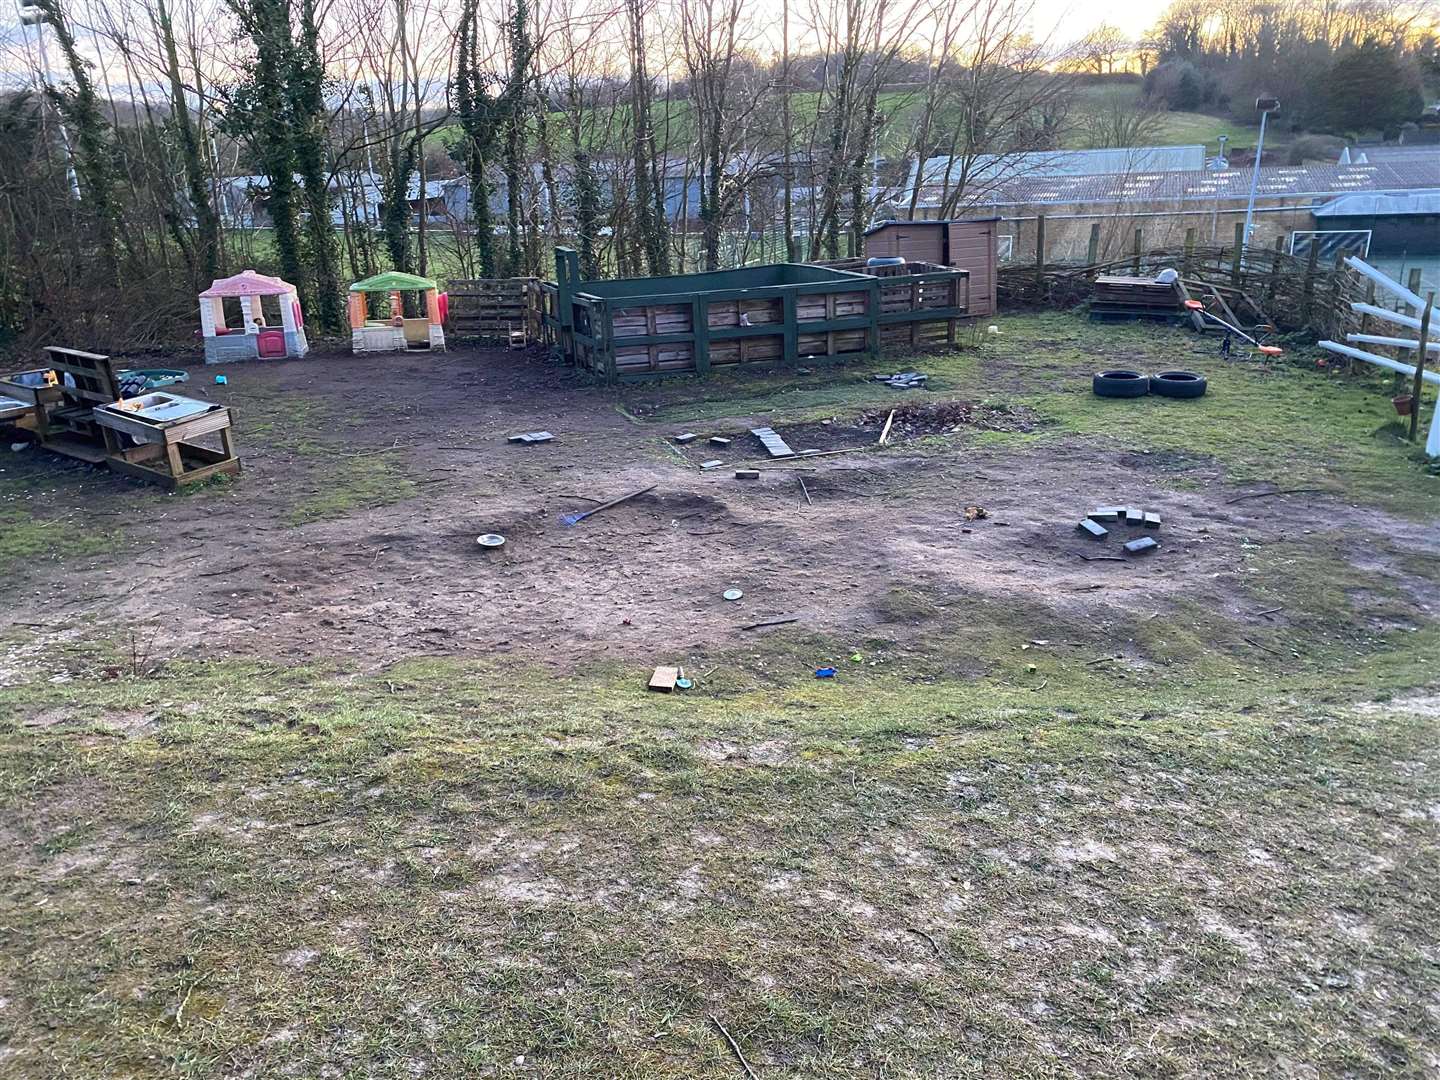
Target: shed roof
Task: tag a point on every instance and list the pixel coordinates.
(943, 222)
(391, 280)
(249, 283)
(1410, 204)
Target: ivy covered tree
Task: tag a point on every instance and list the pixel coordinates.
(483, 116)
(521, 52)
(308, 130)
(259, 113)
(280, 110)
(92, 152)
(205, 255)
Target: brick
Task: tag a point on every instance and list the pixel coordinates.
(1106, 513)
(1093, 529)
(1152, 521)
(711, 464)
(689, 436)
(1134, 517)
(719, 440)
(747, 474)
(1145, 543)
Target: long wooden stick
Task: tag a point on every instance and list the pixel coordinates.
(770, 622)
(776, 462)
(885, 435)
(1281, 491)
(735, 1047)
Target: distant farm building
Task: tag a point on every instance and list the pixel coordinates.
(985, 170)
(1407, 224)
(1165, 205)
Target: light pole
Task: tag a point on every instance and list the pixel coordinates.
(1266, 106)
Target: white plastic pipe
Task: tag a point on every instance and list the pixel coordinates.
(1389, 284)
(1432, 440)
(1393, 342)
(1389, 316)
(1385, 362)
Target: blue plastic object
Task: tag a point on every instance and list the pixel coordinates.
(221, 380)
(825, 673)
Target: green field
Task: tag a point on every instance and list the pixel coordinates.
(675, 124)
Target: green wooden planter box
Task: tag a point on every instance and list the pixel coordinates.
(783, 313)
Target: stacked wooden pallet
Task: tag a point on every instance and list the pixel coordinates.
(1115, 297)
(494, 307)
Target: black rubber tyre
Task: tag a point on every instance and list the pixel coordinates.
(1120, 384)
(1177, 384)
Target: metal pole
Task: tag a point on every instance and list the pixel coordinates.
(1255, 178)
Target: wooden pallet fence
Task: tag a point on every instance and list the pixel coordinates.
(495, 307)
(1263, 286)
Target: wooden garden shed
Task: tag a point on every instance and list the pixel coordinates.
(966, 243)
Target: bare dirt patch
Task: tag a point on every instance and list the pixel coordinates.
(916, 419)
(350, 535)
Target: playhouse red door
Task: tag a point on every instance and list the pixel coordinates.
(271, 343)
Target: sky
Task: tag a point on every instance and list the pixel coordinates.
(1070, 20)
(1056, 21)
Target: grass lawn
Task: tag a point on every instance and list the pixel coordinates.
(1051, 818)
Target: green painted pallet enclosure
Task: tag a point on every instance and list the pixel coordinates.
(783, 313)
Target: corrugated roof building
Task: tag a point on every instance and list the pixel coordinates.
(1166, 206)
(994, 168)
(1404, 224)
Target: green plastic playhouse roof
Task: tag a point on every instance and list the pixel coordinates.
(391, 280)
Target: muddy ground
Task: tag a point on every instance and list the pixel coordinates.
(236, 569)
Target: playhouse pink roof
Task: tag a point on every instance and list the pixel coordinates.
(249, 283)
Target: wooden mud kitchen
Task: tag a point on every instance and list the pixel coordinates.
(75, 407)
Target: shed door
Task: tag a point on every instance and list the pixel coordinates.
(921, 242)
(972, 247)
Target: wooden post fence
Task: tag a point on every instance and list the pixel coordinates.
(1420, 367)
(1040, 251)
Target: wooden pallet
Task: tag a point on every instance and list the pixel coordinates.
(483, 307)
(1135, 292)
(66, 424)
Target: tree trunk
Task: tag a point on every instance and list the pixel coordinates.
(207, 222)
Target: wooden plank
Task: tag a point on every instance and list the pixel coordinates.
(663, 681)
(75, 447)
(1420, 367)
